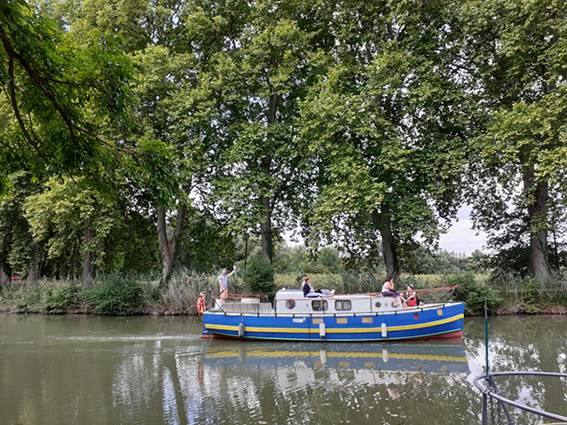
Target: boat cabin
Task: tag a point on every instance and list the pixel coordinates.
(292, 301)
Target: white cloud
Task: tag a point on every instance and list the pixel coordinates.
(461, 237)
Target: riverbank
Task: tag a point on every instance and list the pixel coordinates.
(118, 296)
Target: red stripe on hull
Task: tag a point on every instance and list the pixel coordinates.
(456, 334)
(450, 335)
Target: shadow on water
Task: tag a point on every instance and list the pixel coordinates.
(147, 370)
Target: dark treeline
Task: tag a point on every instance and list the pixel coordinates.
(138, 136)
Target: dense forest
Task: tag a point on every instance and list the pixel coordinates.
(148, 136)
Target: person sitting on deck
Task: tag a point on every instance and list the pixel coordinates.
(307, 288)
(410, 299)
(309, 292)
(389, 291)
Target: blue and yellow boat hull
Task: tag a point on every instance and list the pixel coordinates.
(442, 321)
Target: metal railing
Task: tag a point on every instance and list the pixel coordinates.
(495, 406)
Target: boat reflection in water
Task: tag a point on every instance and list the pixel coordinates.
(438, 358)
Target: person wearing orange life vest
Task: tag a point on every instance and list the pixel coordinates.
(201, 304)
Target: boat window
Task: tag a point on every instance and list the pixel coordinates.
(290, 304)
(319, 305)
(378, 304)
(343, 305)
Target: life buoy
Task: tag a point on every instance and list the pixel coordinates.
(201, 305)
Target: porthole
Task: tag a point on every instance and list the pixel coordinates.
(290, 304)
(378, 304)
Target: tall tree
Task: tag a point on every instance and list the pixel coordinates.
(389, 124)
(516, 52)
(71, 219)
(153, 34)
(246, 106)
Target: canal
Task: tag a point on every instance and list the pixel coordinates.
(156, 370)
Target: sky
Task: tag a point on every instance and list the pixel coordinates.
(461, 238)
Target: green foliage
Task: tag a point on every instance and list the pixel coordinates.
(62, 89)
(15, 237)
(315, 268)
(473, 294)
(205, 246)
(531, 294)
(114, 297)
(329, 257)
(520, 72)
(61, 300)
(259, 274)
(352, 120)
(354, 283)
(29, 302)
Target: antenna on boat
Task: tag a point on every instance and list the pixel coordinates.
(486, 335)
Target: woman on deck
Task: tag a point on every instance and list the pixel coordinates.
(410, 298)
(389, 291)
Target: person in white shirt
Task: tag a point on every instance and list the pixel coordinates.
(223, 282)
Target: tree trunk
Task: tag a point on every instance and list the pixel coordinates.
(382, 220)
(73, 260)
(88, 261)
(265, 200)
(537, 215)
(266, 228)
(168, 246)
(32, 271)
(4, 278)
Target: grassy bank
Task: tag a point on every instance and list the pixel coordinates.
(114, 295)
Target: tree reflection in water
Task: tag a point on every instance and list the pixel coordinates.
(155, 370)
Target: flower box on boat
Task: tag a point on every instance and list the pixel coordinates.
(329, 317)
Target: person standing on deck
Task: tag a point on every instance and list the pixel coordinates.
(223, 282)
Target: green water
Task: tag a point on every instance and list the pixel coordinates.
(150, 370)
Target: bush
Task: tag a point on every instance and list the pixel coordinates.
(115, 297)
(29, 302)
(473, 294)
(314, 268)
(259, 274)
(61, 300)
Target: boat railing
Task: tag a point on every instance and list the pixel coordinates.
(496, 407)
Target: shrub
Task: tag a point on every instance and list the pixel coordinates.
(61, 300)
(473, 294)
(115, 297)
(530, 291)
(29, 302)
(314, 268)
(259, 274)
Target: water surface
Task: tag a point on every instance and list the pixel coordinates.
(152, 370)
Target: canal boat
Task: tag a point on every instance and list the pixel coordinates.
(331, 317)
